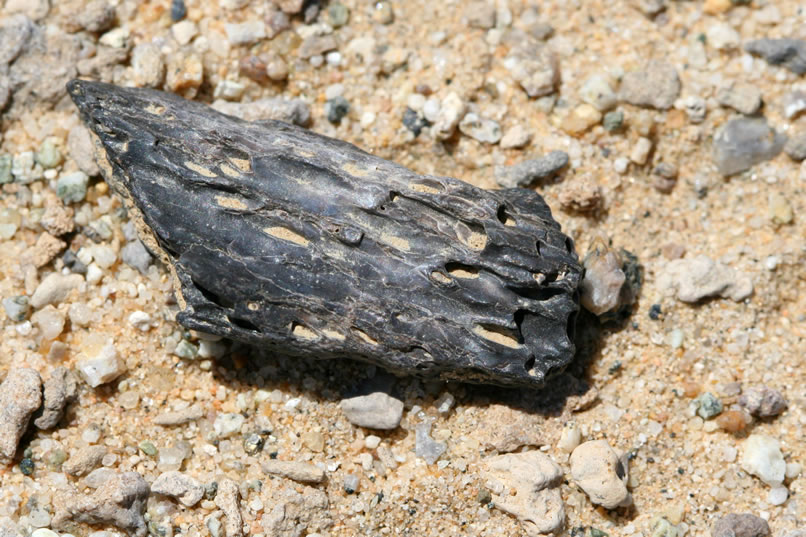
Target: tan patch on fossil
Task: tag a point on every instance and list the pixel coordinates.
(201, 170)
(155, 109)
(242, 164)
(301, 153)
(475, 241)
(303, 332)
(497, 335)
(231, 203)
(438, 276)
(332, 334)
(419, 187)
(287, 235)
(354, 170)
(227, 170)
(366, 337)
(395, 242)
(463, 272)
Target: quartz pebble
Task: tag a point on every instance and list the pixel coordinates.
(601, 287)
(527, 172)
(515, 138)
(535, 480)
(451, 111)
(534, 66)
(693, 279)
(426, 447)
(84, 460)
(50, 322)
(657, 86)
(777, 496)
(181, 486)
(598, 92)
(374, 411)
(20, 396)
(120, 501)
(762, 401)
(795, 147)
(794, 104)
(297, 471)
(740, 525)
(228, 424)
(742, 97)
(102, 367)
(149, 71)
(786, 52)
(599, 471)
(570, 437)
(762, 457)
(640, 151)
(246, 33)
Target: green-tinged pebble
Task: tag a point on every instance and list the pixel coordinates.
(709, 406)
(72, 187)
(148, 448)
(5, 169)
(48, 155)
(187, 350)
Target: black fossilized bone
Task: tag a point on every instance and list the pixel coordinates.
(288, 239)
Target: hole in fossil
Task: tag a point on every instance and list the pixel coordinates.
(438, 276)
(530, 364)
(458, 270)
(213, 297)
(287, 235)
(393, 195)
(242, 164)
(243, 323)
(303, 332)
(504, 217)
(498, 334)
(537, 247)
(569, 245)
(472, 236)
(363, 335)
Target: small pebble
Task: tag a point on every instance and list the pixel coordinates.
(742, 97)
(382, 12)
(451, 111)
(228, 499)
(613, 121)
(186, 350)
(17, 308)
(777, 496)
(657, 86)
(795, 147)
(601, 287)
(351, 483)
(414, 121)
(178, 10)
(480, 129)
(426, 447)
(794, 103)
(181, 486)
(640, 151)
(336, 109)
(598, 92)
(695, 108)
(762, 401)
(84, 460)
(303, 472)
(20, 397)
(570, 437)
(374, 411)
(527, 172)
(72, 187)
(515, 138)
(762, 457)
(693, 279)
(599, 471)
(786, 52)
(740, 525)
(48, 155)
(743, 142)
(534, 66)
(708, 406)
(102, 368)
(228, 424)
(337, 14)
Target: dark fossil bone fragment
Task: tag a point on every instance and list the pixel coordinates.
(287, 239)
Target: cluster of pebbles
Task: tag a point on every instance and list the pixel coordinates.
(669, 137)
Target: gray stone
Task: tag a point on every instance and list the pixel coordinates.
(60, 389)
(536, 480)
(120, 501)
(426, 447)
(740, 525)
(20, 396)
(294, 111)
(55, 288)
(534, 66)
(304, 472)
(743, 142)
(598, 92)
(602, 285)
(136, 256)
(527, 172)
(657, 86)
(481, 129)
(742, 97)
(763, 402)
(795, 147)
(84, 460)
(15, 32)
(177, 485)
(374, 411)
(786, 52)
(95, 16)
(691, 280)
(17, 307)
(601, 473)
(317, 45)
(180, 417)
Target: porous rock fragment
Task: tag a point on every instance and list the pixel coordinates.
(181, 486)
(601, 473)
(20, 396)
(693, 279)
(120, 501)
(60, 389)
(535, 480)
(376, 410)
(227, 499)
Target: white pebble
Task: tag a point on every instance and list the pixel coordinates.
(372, 441)
(94, 274)
(777, 496)
(140, 320)
(621, 165)
(104, 367)
(762, 457)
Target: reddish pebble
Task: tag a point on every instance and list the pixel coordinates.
(732, 421)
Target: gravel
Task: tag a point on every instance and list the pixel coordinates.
(598, 92)
(227, 499)
(480, 129)
(72, 187)
(294, 111)
(657, 86)
(786, 52)
(102, 367)
(246, 33)
(20, 397)
(795, 147)
(534, 66)
(84, 460)
(794, 103)
(535, 480)
(135, 254)
(60, 389)
(187, 490)
(742, 97)
(302, 472)
(694, 279)
(763, 402)
(120, 501)
(451, 111)
(426, 447)
(377, 410)
(601, 287)
(528, 172)
(743, 142)
(516, 138)
(740, 525)
(599, 471)
(762, 457)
